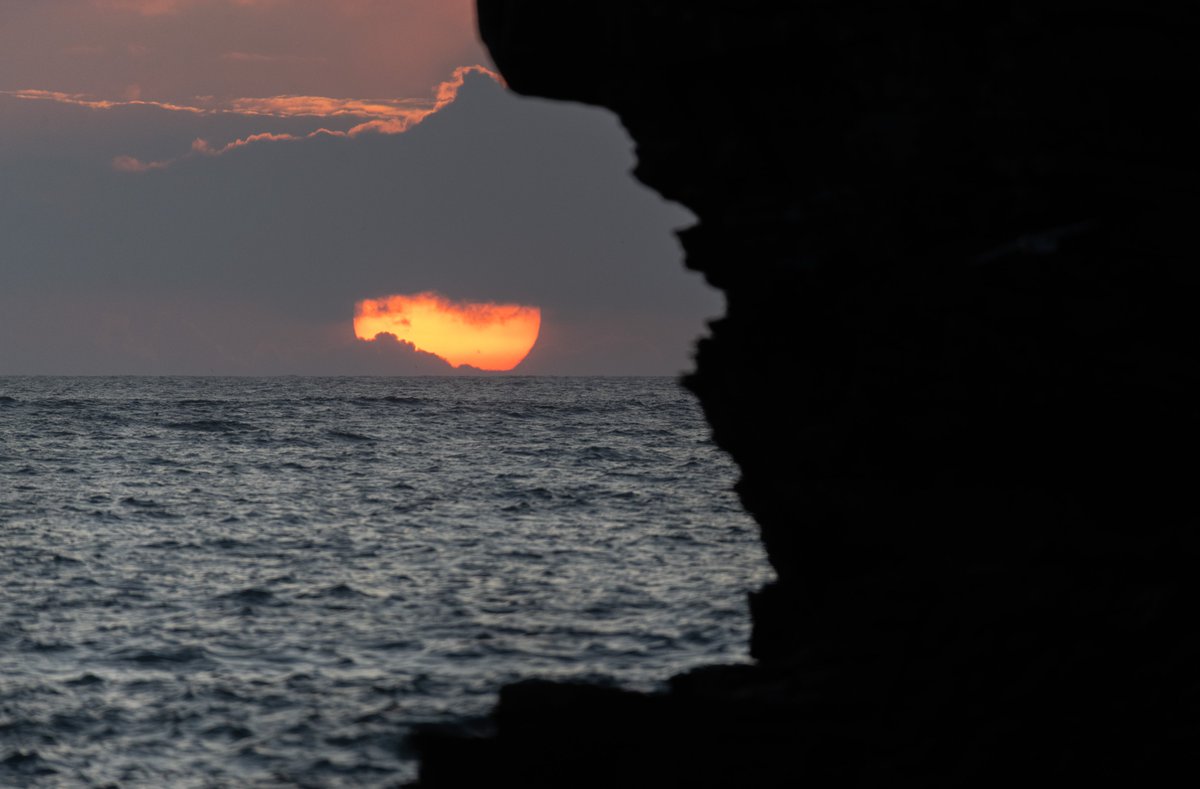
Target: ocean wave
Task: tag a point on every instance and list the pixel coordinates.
(251, 596)
(169, 656)
(213, 426)
(346, 435)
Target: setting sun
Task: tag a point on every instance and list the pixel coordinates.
(488, 336)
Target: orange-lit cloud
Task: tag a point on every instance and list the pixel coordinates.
(386, 116)
(486, 336)
(99, 104)
(326, 107)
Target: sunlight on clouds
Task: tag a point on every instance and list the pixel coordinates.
(387, 116)
(80, 100)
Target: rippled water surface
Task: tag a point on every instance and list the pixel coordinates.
(266, 582)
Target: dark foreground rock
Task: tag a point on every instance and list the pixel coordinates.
(958, 372)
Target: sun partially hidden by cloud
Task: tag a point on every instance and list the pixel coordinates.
(483, 335)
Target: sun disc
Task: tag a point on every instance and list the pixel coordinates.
(484, 335)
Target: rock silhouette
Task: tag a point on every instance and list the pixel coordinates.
(957, 371)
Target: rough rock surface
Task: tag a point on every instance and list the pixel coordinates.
(958, 372)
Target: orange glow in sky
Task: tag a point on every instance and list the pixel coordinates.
(487, 336)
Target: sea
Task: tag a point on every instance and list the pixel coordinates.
(268, 582)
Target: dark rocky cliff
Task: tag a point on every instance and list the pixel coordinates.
(958, 372)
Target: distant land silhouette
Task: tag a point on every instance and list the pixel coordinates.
(958, 373)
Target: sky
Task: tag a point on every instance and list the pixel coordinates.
(213, 186)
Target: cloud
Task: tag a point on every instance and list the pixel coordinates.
(326, 107)
(385, 116)
(394, 117)
(128, 164)
(81, 100)
(202, 146)
(164, 7)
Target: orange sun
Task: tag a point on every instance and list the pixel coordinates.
(487, 336)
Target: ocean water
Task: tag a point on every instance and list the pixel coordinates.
(266, 582)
